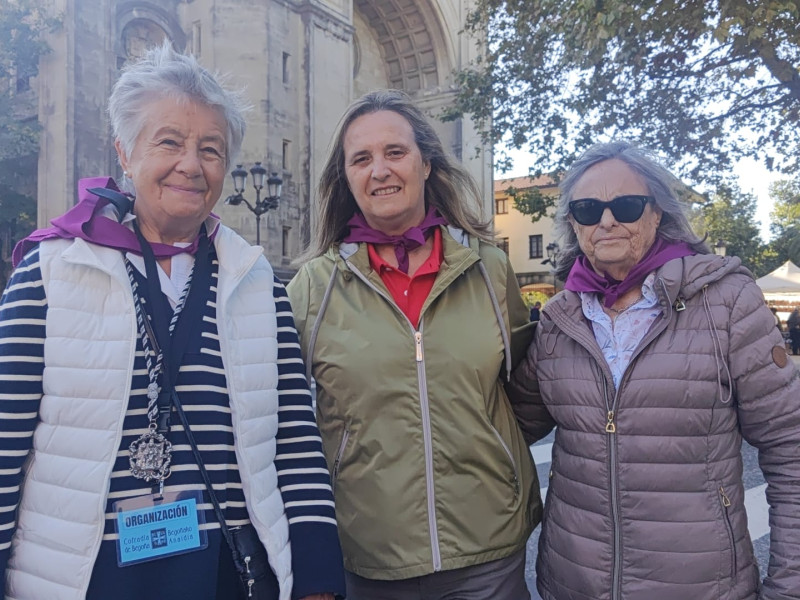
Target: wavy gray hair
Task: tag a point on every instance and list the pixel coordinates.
(449, 187)
(163, 73)
(662, 186)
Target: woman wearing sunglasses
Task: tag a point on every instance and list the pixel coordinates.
(653, 364)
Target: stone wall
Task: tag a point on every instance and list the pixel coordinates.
(299, 62)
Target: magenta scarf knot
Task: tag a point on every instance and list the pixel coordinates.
(411, 238)
(583, 278)
(84, 221)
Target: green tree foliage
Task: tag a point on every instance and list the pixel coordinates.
(22, 23)
(17, 218)
(730, 216)
(532, 202)
(785, 216)
(554, 76)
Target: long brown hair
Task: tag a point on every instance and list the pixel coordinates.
(449, 187)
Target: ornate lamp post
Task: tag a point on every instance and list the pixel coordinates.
(261, 206)
(553, 252)
(720, 248)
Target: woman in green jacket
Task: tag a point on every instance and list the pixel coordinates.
(410, 320)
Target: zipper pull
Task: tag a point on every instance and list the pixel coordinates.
(726, 502)
(250, 581)
(418, 344)
(610, 427)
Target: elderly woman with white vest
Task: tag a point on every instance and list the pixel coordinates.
(156, 432)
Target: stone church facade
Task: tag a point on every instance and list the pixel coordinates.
(299, 62)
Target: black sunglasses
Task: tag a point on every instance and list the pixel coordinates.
(626, 209)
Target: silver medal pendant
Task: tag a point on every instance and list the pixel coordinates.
(150, 457)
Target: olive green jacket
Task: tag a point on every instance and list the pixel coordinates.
(429, 467)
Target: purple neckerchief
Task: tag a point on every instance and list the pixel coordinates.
(583, 278)
(412, 238)
(84, 221)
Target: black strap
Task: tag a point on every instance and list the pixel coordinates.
(173, 346)
(206, 479)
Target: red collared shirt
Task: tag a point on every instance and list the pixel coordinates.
(410, 293)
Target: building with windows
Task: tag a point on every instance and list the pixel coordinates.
(299, 62)
(526, 242)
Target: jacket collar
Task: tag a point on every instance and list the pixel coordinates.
(459, 249)
(236, 257)
(457, 245)
(107, 260)
(679, 278)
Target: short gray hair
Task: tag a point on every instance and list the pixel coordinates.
(660, 182)
(162, 73)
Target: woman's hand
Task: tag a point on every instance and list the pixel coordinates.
(319, 597)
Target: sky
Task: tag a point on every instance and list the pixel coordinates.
(753, 178)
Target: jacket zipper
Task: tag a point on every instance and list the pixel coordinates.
(419, 356)
(500, 439)
(567, 325)
(428, 443)
(339, 453)
(726, 504)
(611, 431)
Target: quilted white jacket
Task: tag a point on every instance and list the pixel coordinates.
(89, 352)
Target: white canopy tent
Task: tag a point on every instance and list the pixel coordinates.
(782, 288)
(782, 281)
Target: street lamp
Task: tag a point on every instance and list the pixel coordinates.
(553, 252)
(270, 202)
(720, 248)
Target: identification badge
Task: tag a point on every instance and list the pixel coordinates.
(152, 527)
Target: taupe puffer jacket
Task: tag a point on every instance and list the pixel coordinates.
(655, 509)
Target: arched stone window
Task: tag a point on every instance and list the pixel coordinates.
(405, 37)
(142, 26)
(139, 35)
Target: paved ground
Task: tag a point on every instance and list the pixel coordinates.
(755, 502)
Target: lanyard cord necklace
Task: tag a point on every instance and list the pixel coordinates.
(150, 455)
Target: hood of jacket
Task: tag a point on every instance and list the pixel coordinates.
(682, 278)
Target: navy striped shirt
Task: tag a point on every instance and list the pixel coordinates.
(201, 384)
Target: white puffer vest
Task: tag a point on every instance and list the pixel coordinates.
(89, 352)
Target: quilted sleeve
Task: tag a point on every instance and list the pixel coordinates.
(526, 401)
(518, 316)
(767, 388)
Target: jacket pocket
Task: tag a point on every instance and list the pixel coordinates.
(725, 504)
(338, 459)
(515, 480)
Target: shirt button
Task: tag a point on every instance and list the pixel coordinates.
(405, 293)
